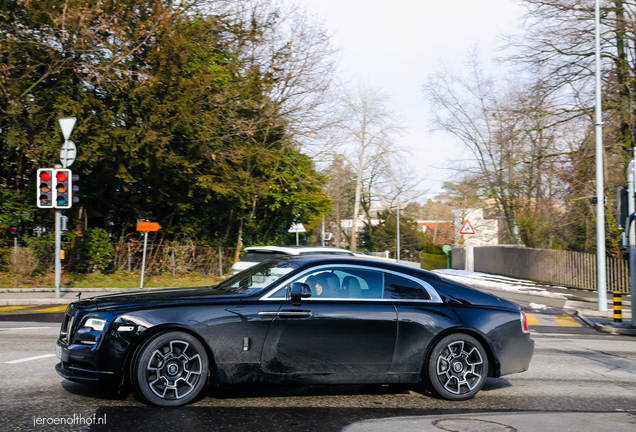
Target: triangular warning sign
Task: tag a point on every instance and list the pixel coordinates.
(467, 228)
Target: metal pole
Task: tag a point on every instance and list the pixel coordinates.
(601, 281)
(323, 231)
(220, 261)
(296, 238)
(631, 207)
(143, 260)
(129, 268)
(398, 232)
(58, 253)
(15, 251)
(65, 147)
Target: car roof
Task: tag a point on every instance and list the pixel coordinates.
(298, 250)
(306, 261)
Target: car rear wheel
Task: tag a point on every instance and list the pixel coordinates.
(457, 367)
(171, 369)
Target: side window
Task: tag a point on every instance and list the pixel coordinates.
(340, 282)
(360, 284)
(399, 288)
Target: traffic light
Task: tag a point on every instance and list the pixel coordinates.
(63, 189)
(75, 188)
(45, 192)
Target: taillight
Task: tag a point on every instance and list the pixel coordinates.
(524, 323)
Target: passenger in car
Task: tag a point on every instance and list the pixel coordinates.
(333, 285)
(351, 287)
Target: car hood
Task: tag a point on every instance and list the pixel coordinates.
(164, 296)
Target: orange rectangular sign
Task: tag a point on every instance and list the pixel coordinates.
(148, 226)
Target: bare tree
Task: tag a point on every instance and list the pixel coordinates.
(510, 131)
(367, 132)
(558, 43)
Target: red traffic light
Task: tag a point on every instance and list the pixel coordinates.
(60, 176)
(45, 176)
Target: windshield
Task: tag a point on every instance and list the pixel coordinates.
(256, 278)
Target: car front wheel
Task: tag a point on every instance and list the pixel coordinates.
(171, 369)
(457, 367)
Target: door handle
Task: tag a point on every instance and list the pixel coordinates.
(287, 314)
(295, 314)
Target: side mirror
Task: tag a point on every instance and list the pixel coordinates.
(298, 291)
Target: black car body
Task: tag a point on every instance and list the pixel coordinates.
(300, 319)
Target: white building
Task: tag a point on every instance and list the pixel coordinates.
(488, 226)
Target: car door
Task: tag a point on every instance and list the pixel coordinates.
(421, 316)
(338, 331)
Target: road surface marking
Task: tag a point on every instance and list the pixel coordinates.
(30, 358)
(566, 321)
(52, 309)
(532, 320)
(23, 328)
(551, 320)
(8, 308)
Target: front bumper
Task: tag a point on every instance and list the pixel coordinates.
(77, 364)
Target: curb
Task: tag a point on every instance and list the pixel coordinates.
(41, 290)
(35, 302)
(626, 330)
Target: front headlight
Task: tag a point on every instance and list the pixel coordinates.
(96, 324)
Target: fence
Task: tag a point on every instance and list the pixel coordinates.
(170, 258)
(567, 268)
(183, 257)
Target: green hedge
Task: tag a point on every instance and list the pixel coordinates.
(433, 261)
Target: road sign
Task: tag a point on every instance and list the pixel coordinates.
(67, 125)
(68, 153)
(297, 228)
(148, 226)
(467, 228)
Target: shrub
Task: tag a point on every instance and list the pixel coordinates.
(97, 252)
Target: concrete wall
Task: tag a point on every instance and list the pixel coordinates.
(459, 259)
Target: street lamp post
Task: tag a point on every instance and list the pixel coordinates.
(398, 233)
(601, 282)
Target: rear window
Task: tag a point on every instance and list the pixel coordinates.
(254, 256)
(399, 288)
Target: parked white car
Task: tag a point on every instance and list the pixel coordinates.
(256, 254)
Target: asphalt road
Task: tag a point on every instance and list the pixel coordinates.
(579, 379)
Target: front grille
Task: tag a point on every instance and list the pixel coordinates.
(67, 327)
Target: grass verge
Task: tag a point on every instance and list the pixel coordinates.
(110, 280)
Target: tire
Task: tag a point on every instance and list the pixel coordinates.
(171, 369)
(457, 367)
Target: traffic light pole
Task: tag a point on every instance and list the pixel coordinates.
(58, 246)
(58, 252)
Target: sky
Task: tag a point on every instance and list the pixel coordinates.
(395, 44)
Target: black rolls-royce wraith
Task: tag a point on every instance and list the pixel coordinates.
(297, 319)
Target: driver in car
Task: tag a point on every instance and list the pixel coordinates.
(317, 284)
